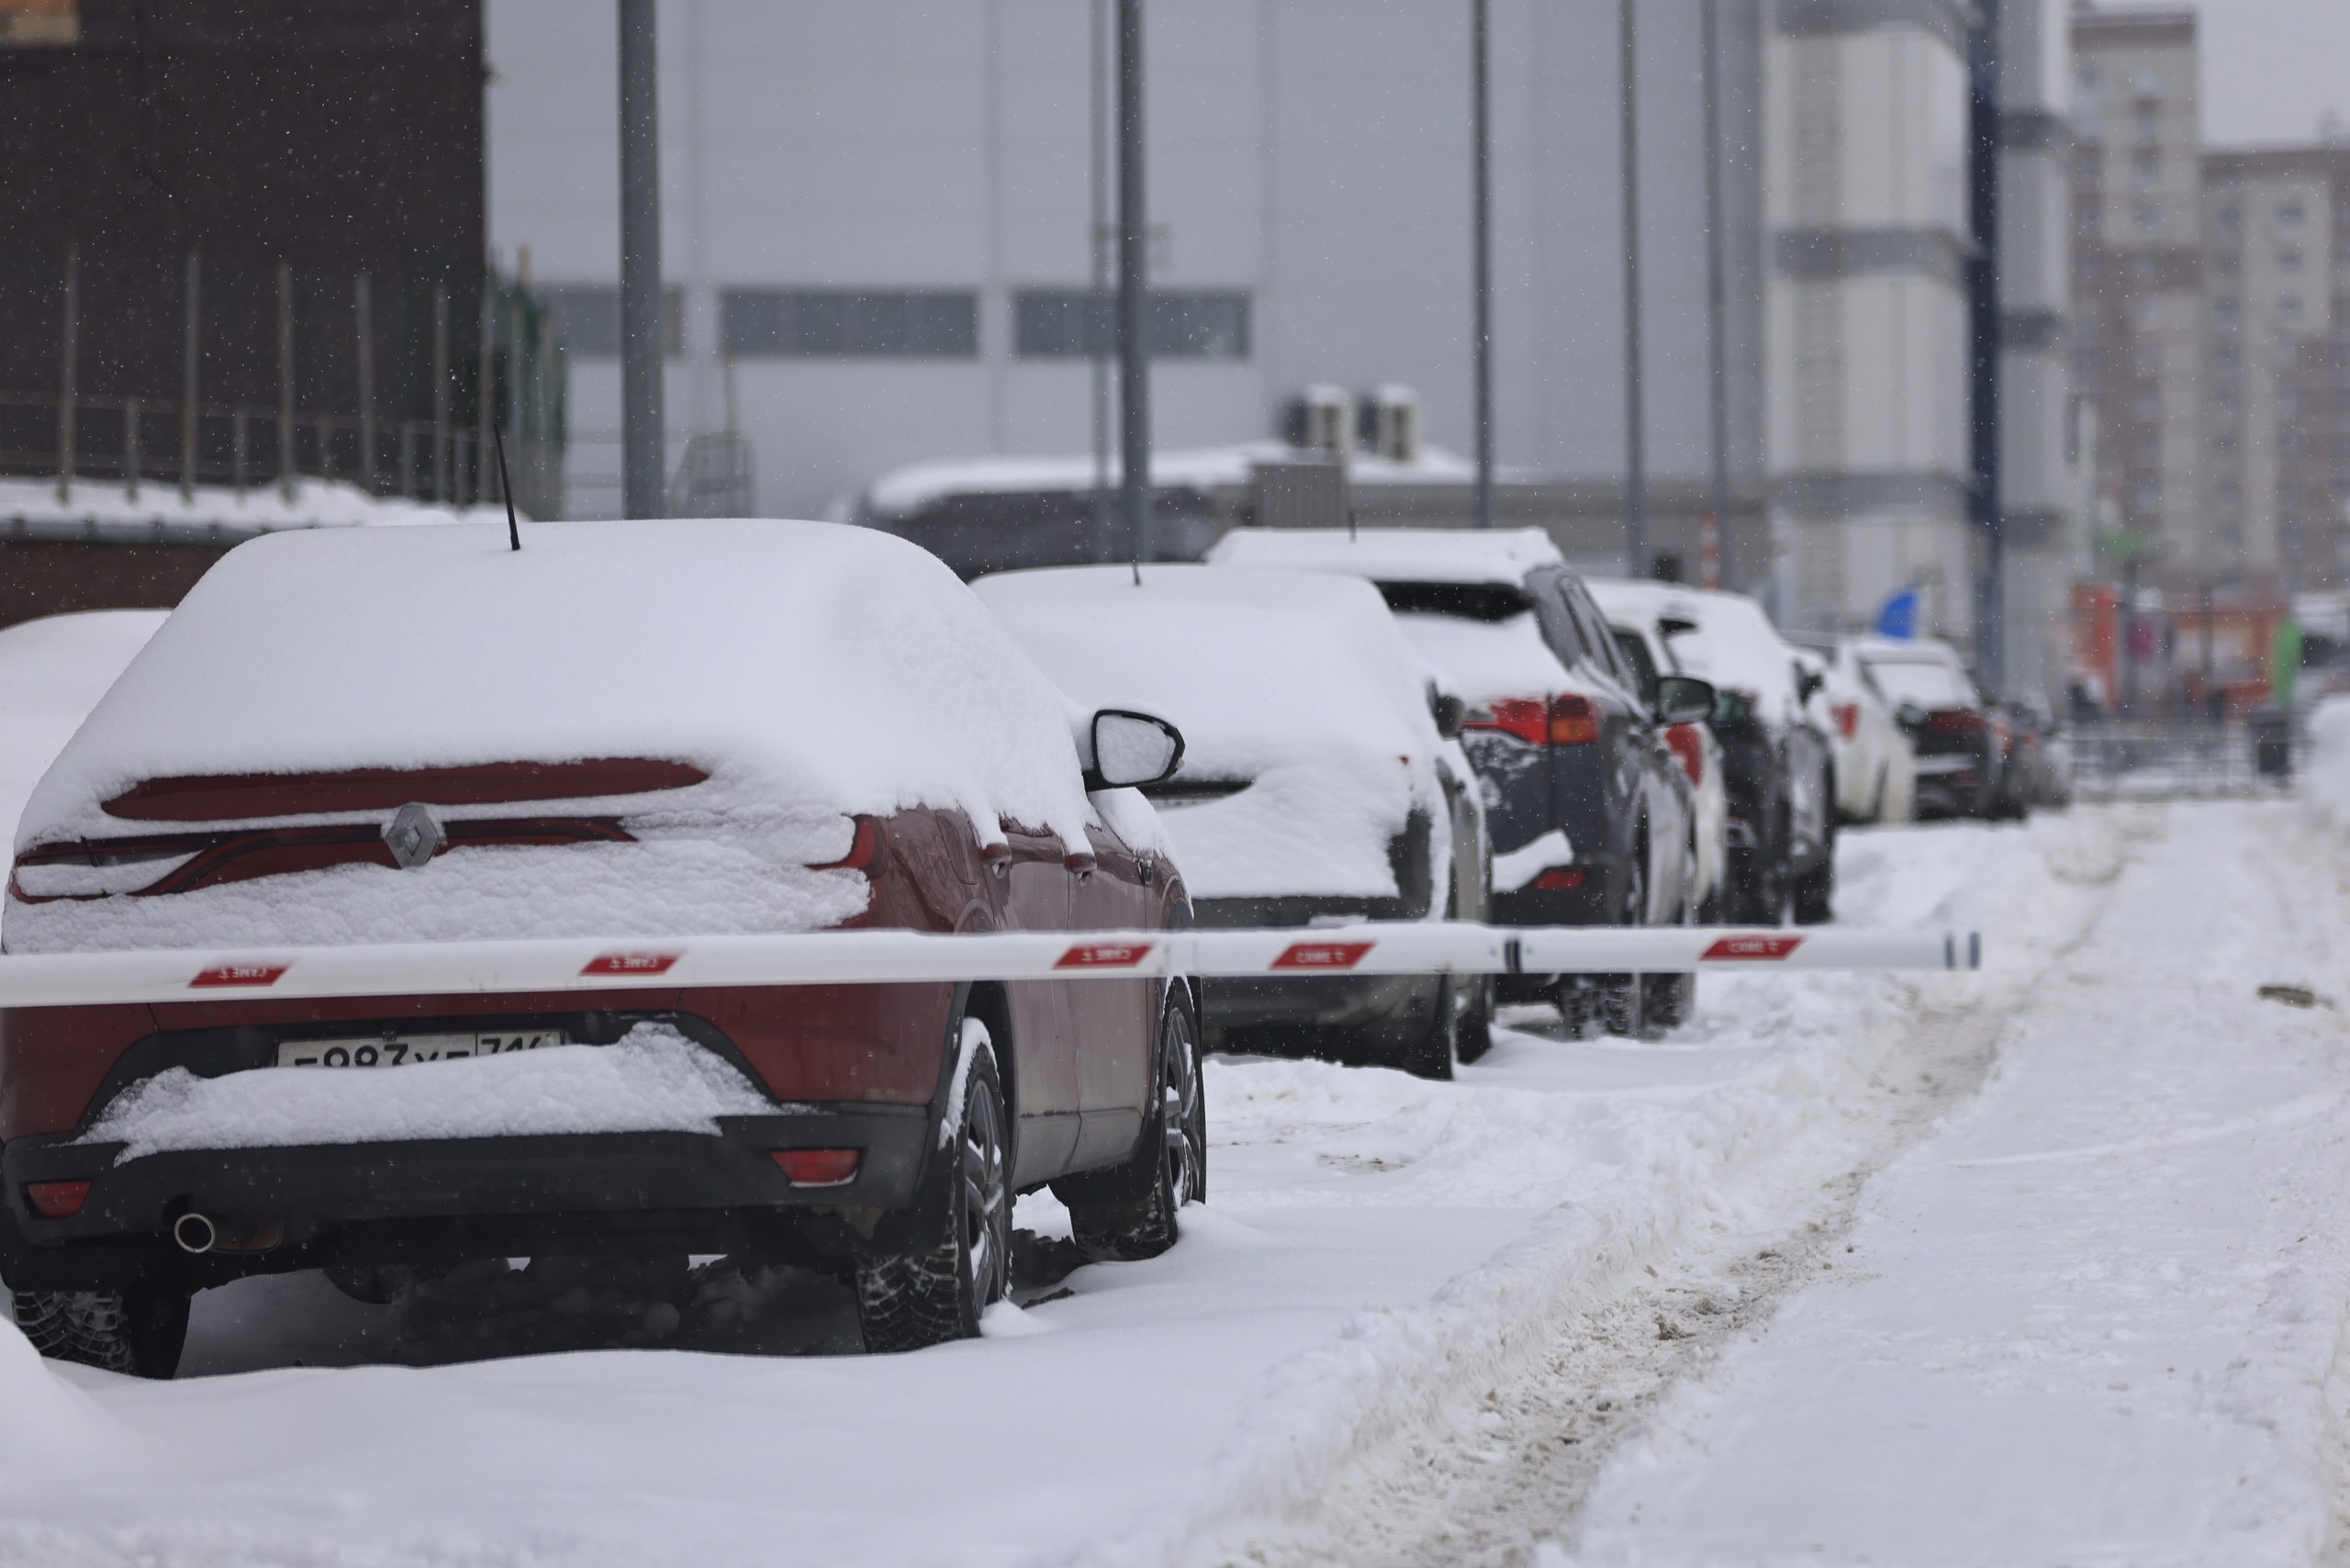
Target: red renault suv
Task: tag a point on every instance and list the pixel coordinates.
(632, 731)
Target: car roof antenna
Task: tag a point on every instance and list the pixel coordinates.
(1350, 526)
(506, 488)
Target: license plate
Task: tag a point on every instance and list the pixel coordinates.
(401, 1050)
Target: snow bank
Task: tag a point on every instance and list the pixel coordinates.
(52, 672)
(1298, 684)
(2325, 771)
(812, 670)
(212, 514)
(652, 1080)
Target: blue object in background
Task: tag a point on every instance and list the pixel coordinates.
(1899, 616)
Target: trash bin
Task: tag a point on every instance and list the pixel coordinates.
(2272, 742)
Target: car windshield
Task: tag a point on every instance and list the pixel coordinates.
(1927, 682)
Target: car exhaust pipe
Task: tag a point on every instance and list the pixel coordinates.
(196, 1233)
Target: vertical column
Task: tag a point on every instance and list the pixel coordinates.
(485, 385)
(286, 382)
(364, 314)
(1636, 498)
(1709, 547)
(191, 356)
(1482, 248)
(441, 394)
(644, 459)
(1133, 280)
(130, 450)
(69, 364)
(1098, 333)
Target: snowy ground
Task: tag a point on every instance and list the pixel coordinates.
(1352, 1334)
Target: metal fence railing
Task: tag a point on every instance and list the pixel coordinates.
(2166, 759)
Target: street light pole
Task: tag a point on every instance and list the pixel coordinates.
(1133, 279)
(644, 458)
(1983, 302)
(1636, 522)
(1481, 251)
(1716, 371)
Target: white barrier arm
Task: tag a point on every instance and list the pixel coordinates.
(833, 958)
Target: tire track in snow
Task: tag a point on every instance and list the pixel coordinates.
(1512, 1451)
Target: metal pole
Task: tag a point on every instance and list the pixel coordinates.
(441, 394)
(67, 373)
(364, 313)
(485, 382)
(1133, 279)
(1481, 251)
(192, 348)
(286, 382)
(1097, 328)
(1636, 500)
(130, 450)
(1983, 301)
(1717, 371)
(644, 459)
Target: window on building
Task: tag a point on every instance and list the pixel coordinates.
(2145, 215)
(2288, 307)
(2148, 162)
(1072, 323)
(2288, 213)
(2224, 305)
(2288, 258)
(588, 315)
(850, 323)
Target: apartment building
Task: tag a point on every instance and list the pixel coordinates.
(2137, 273)
(1868, 232)
(2276, 365)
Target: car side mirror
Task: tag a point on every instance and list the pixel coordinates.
(1448, 710)
(1131, 749)
(1910, 716)
(1806, 682)
(1683, 699)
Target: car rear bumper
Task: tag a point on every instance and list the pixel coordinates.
(375, 1202)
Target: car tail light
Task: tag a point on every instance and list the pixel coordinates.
(862, 848)
(1848, 718)
(1690, 747)
(1564, 879)
(1563, 721)
(57, 1199)
(811, 1167)
(1956, 722)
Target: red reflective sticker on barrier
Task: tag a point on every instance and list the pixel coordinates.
(1756, 947)
(1323, 956)
(630, 964)
(237, 974)
(1104, 956)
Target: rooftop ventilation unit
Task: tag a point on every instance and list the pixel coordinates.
(1320, 420)
(1390, 424)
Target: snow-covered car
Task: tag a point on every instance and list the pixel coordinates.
(1651, 658)
(1959, 739)
(52, 672)
(1589, 809)
(1775, 758)
(1318, 785)
(1876, 770)
(628, 731)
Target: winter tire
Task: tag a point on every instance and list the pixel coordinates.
(1671, 997)
(1475, 1035)
(906, 1301)
(1432, 1055)
(1175, 1138)
(140, 1329)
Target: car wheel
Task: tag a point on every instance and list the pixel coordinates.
(140, 1329)
(1671, 997)
(905, 1301)
(1814, 892)
(1624, 1009)
(1176, 1142)
(1621, 1002)
(1434, 1054)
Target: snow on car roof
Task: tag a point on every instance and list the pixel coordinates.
(1733, 644)
(1296, 683)
(802, 664)
(52, 672)
(904, 492)
(1394, 555)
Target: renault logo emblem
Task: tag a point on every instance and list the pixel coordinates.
(414, 835)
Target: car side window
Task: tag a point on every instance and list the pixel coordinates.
(1596, 633)
(1557, 622)
(1634, 651)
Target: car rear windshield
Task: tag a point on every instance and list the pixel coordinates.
(1471, 601)
(1928, 683)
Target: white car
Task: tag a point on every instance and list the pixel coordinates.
(1700, 755)
(1321, 782)
(1876, 768)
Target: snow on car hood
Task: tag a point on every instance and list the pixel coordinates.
(1297, 684)
(812, 670)
(1733, 644)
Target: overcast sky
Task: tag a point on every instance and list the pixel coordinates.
(2272, 67)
